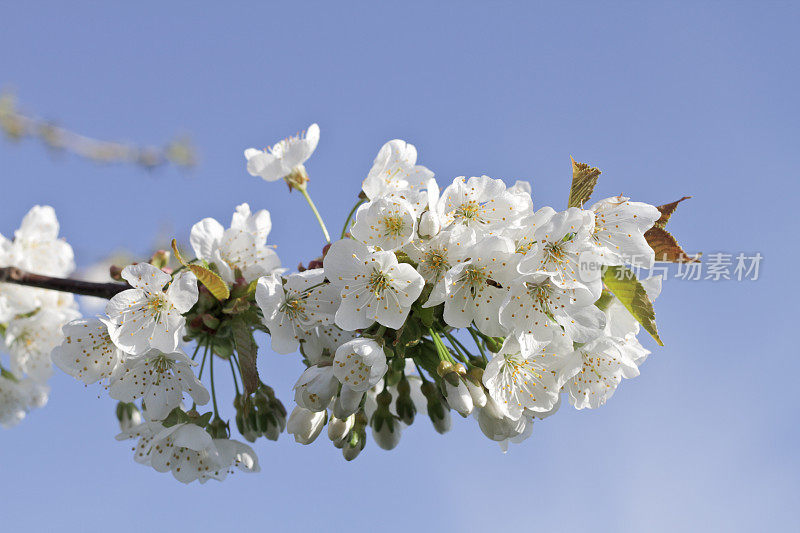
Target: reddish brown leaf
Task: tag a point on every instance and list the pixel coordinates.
(667, 248)
(667, 210)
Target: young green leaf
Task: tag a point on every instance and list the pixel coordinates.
(623, 283)
(215, 284)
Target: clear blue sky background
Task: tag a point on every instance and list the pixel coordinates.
(688, 98)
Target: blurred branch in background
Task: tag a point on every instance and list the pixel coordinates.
(17, 126)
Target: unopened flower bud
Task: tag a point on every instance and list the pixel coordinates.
(458, 397)
(356, 440)
(128, 416)
(160, 259)
(474, 382)
(353, 447)
(316, 387)
(404, 405)
(428, 224)
(347, 402)
(306, 425)
(477, 393)
(386, 430)
(438, 411)
(115, 272)
(338, 428)
(444, 368)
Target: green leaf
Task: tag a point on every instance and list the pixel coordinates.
(175, 417)
(203, 419)
(248, 352)
(425, 315)
(667, 210)
(584, 178)
(215, 284)
(623, 283)
(604, 300)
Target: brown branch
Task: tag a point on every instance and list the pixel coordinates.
(75, 286)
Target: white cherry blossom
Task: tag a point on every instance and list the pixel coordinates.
(385, 223)
(536, 306)
(36, 246)
(292, 309)
(619, 231)
(321, 343)
(524, 234)
(500, 428)
(473, 290)
(147, 316)
(481, 204)
(437, 255)
(284, 157)
(18, 397)
(602, 365)
(87, 352)
(29, 341)
(241, 246)
(160, 379)
(373, 285)
(258, 224)
(189, 452)
(564, 250)
(395, 169)
(526, 376)
(359, 364)
(316, 387)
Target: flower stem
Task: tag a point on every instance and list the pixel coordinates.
(316, 213)
(478, 344)
(196, 349)
(213, 388)
(233, 372)
(419, 371)
(459, 348)
(203, 363)
(441, 349)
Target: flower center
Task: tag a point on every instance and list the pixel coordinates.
(475, 278)
(436, 261)
(541, 296)
(155, 306)
(378, 282)
(468, 212)
(293, 306)
(555, 251)
(161, 363)
(393, 225)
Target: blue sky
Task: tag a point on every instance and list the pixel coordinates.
(684, 98)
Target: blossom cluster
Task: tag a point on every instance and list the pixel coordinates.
(418, 264)
(31, 318)
(464, 298)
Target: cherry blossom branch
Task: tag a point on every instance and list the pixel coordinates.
(16, 125)
(18, 276)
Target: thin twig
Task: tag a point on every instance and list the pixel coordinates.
(18, 276)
